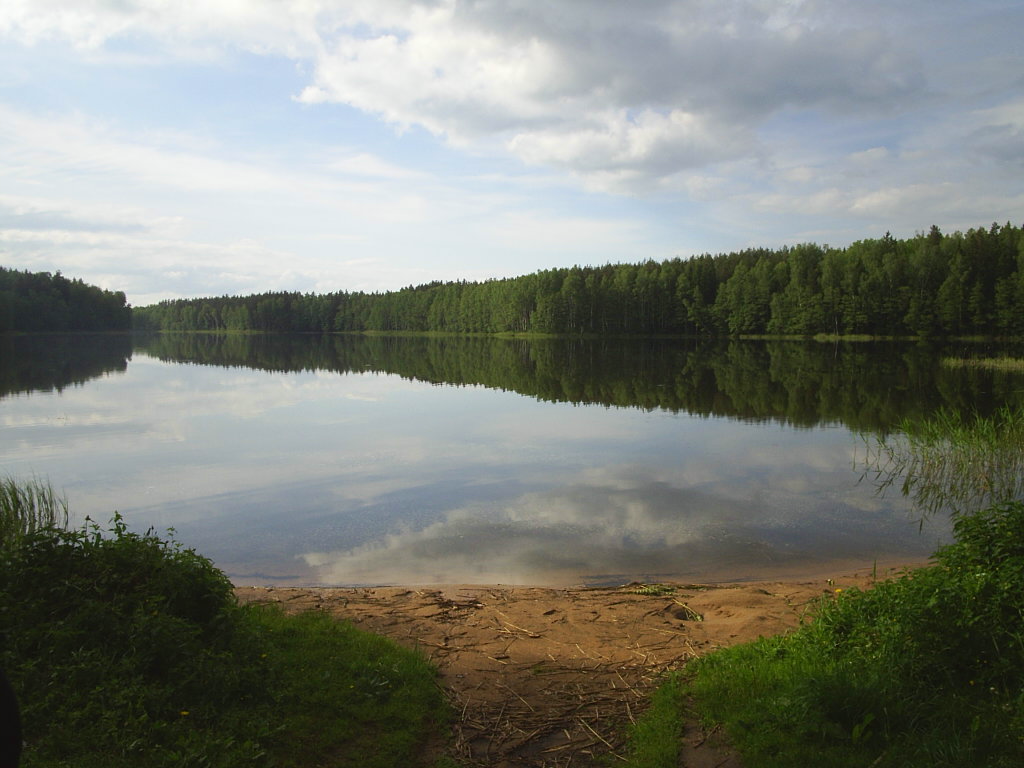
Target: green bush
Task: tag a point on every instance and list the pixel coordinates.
(923, 670)
(129, 650)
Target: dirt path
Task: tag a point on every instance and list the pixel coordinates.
(547, 677)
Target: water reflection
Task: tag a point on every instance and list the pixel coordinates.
(866, 386)
(349, 461)
(51, 362)
(612, 530)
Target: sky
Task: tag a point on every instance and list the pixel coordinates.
(210, 147)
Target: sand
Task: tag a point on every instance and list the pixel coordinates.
(547, 677)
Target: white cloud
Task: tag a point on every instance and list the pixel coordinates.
(170, 214)
(593, 87)
(365, 164)
(727, 123)
(616, 151)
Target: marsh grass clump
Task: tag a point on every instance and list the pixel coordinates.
(1005, 363)
(27, 506)
(955, 461)
(128, 649)
(653, 589)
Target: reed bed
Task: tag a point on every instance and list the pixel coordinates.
(27, 506)
(953, 461)
(1005, 363)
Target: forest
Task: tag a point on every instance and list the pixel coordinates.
(41, 301)
(930, 285)
(867, 386)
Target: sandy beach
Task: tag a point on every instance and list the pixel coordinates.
(547, 676)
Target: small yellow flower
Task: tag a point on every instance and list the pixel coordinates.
(838, 590)
(184, 713)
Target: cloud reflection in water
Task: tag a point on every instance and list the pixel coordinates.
(319, 477)
(626, 525)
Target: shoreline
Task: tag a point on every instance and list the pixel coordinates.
(789, 572)
(538, 673)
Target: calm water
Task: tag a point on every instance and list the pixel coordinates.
(342, 460)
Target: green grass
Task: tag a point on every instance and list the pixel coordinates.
(130, 650)
(1005, 363)
(923, 670)
(953, 461)
(27, 506)
(655, 737)
(348, 697)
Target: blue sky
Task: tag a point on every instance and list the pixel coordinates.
(236, 146)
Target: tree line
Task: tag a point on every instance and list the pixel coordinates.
(41, 301)
(866, 386)
(929, 285)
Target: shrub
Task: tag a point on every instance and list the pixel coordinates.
(130, 650)
(127, 649)
(923, 670)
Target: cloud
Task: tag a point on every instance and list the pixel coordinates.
(171, 214)
(23, 217)
(365, 164)
(604, 91)
(617, 152)
(719, 124)
(614, 97)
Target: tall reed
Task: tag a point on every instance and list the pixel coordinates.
(954, 461)
(1005, 363)
(27, 506)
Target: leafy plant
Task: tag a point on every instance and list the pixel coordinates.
(127, 649)
(923, 670)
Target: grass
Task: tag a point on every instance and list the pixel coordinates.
(923, 670)
(655, 737)
(27, 506)
(130, 650)
(954, 461)
(348, 697)
(1005, 363)
(920, 671)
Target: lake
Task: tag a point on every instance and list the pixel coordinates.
(357, 460)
